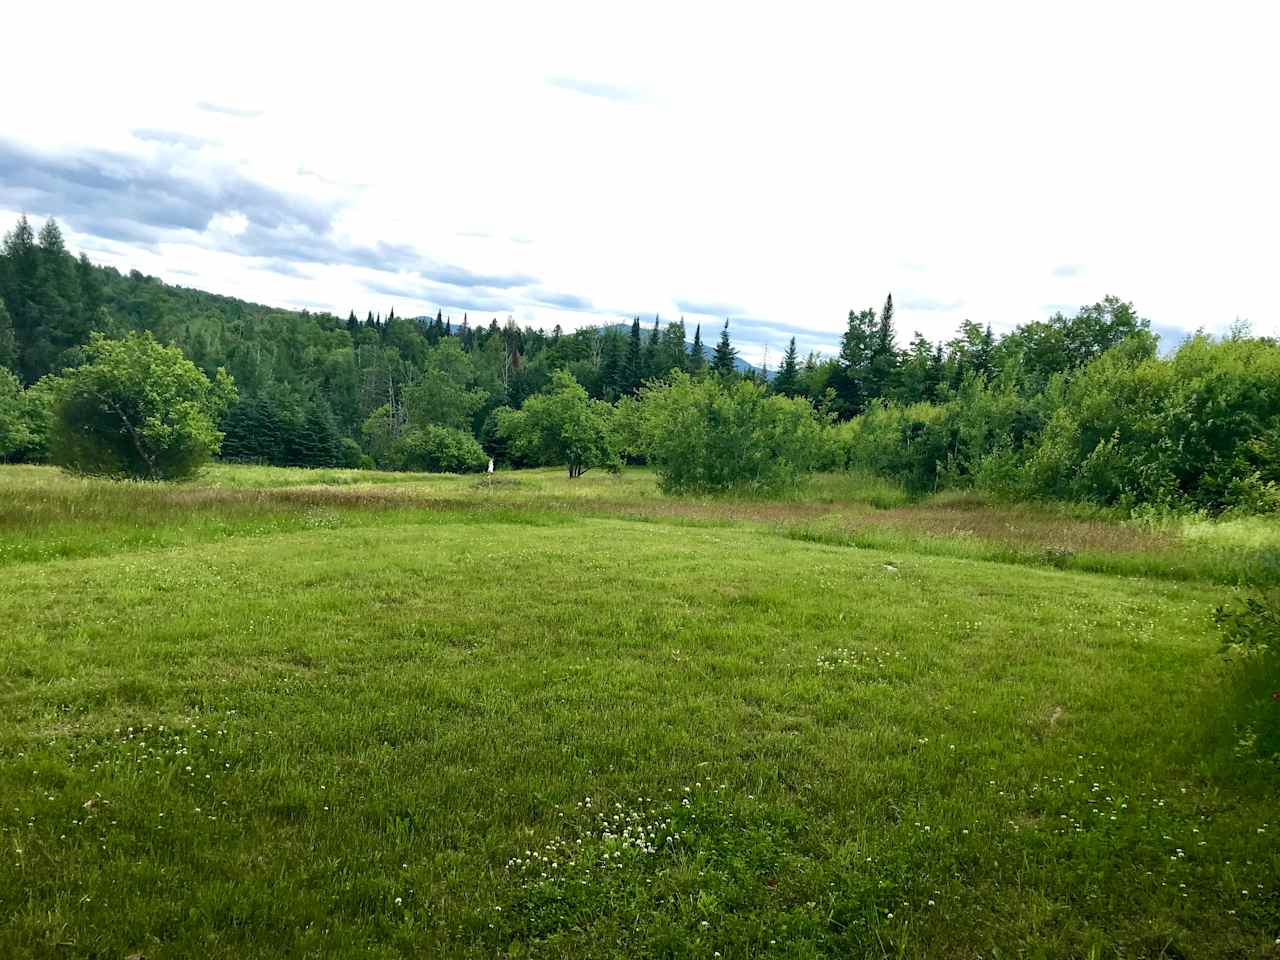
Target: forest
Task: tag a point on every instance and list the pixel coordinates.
(1082, 407)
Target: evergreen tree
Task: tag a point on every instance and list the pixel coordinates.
(853, 366)
(612, 366)
(633, 368)
(697, 352)
(787, 382)
(884, 359)
(651, 363)
(19, 293)
(722, 360)
(8, 341)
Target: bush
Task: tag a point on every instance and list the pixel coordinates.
(1200, 431)
(24, 419)
(709, 435)
(436, 449)
(1251, 636)
(349, 453)
(136, 409)
(562, 425)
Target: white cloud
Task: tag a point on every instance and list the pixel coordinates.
(978, 160)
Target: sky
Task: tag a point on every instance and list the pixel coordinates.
(773, 164)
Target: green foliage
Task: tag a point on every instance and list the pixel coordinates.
(349, 453)
(1198, 430)
(709, 435)
(436, 449)
(8, 340)
(724, 356)
(136, 409)
(562, 426)
(787, 382)
(927, 446)
(1251, 635)
(444, 395)
(15, 431)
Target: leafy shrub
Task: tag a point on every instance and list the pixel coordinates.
(436, 449)
(709, 435)
(349, 453)
(1197, 431)
(1251, 635)
(24, 419)
(136, 409)
(561, 426)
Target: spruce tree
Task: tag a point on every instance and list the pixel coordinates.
(19, 290)
(8, 342)
(722, 360)
(633, 367)
(612, 366)
(697, 353)
(884, 359)
(853, 366)
(787, 382)
(651, 363)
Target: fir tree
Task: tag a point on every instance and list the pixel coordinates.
(651, 364)
(8, 341)
(787, 382)
(722, 360)
(697, 353)
(853, 366)
(612, 366)
(633, 367)
(883, 362)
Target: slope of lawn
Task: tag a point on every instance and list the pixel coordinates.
(434, 717)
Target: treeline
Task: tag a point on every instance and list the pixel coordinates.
(1077, 406)
(317, 390)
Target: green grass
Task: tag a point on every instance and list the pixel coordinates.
(288, 713)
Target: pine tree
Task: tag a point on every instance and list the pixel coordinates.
(353, 325)
(722, 360)
(787, 382)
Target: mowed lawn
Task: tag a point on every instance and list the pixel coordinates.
(282, 714)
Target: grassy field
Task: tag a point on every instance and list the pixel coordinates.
(330, 713)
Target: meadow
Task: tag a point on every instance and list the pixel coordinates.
(279, 712)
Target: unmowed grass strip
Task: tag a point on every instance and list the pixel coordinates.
(352, 740)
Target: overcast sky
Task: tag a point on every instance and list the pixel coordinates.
(775, 164)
